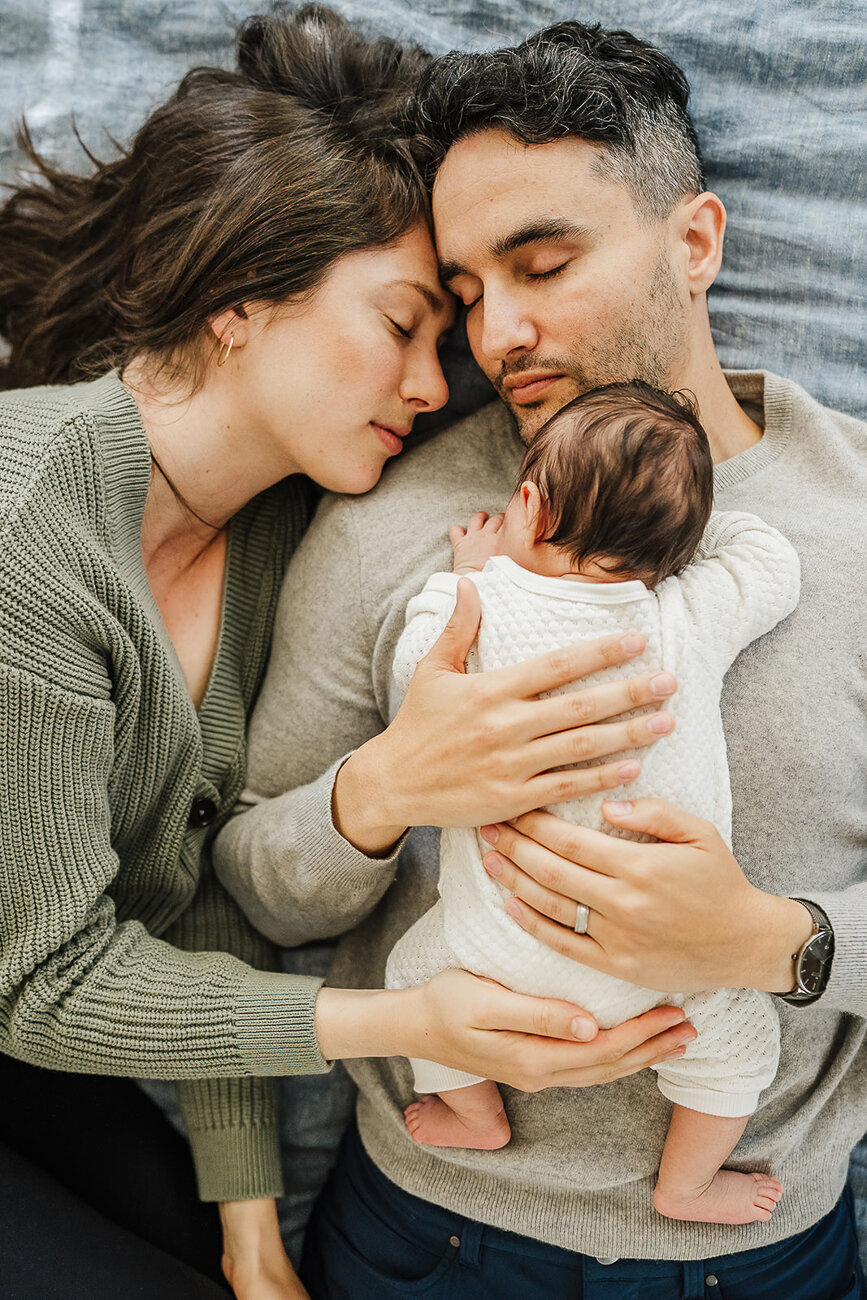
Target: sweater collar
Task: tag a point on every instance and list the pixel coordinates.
(777, 398)
(126, 467)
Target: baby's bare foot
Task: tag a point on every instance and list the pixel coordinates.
(728, 1198)
(431, 1122)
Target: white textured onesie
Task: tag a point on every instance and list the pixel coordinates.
(744, 579)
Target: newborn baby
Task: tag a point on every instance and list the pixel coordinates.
(608, 531)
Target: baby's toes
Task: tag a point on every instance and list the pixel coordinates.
(768, 1191)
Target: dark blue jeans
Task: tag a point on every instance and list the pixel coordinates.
(368, 1240)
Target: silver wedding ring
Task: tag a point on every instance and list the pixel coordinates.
(582, 918)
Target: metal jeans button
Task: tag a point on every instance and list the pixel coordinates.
(607, 1259)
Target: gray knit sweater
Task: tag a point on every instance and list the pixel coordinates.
(116, 940)
(579, 1170)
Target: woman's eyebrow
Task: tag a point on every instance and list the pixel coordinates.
(432, 299)
(539, 231)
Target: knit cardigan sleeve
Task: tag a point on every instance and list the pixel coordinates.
(233, 1124)
(81, 990)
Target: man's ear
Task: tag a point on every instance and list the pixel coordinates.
(533, 511)
(702, 229)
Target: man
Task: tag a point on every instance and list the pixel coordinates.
(571, 220)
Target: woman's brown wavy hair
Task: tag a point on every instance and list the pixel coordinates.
(245, 186)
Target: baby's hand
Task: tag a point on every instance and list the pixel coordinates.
(474, 545)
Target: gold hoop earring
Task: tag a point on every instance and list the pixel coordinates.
(224, 356)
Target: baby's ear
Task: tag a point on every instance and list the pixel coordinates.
(533, 510)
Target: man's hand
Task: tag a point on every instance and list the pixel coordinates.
(254, 1261)
(474, 545)
(678, 915)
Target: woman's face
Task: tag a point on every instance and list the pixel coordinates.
(336, 383)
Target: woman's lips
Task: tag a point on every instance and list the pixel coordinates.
(525, 389)
(391, 440)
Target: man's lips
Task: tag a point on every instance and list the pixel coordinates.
(391, 435)
(530, 386)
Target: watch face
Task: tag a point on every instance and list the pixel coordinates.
(815, 962)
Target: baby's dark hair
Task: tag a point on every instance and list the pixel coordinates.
(626, 479)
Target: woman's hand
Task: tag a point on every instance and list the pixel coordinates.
(254, 1261)
(479, 1026)
(471, 748)
(678, 915)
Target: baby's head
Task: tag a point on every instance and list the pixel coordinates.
(617, 485)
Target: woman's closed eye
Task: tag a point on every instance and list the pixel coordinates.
(404, 333)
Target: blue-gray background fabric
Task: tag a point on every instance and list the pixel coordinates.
(779, 97)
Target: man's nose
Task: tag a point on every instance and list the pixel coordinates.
(506, 327)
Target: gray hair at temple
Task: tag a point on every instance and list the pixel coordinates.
(571, 79)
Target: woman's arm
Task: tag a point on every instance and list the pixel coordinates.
(479, 1026)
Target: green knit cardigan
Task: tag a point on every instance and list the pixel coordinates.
(120, 952)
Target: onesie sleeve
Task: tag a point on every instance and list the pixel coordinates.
(426, 616)
(745, 578)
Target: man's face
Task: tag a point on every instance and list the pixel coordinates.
(567, 287)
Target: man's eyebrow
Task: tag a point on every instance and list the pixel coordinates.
(539, 232)
(432, 299)
(534, 232)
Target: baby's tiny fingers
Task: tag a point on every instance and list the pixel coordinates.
(478, 521)
(456, 534)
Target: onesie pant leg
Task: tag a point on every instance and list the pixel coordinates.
(733, 1059)
(422, 953)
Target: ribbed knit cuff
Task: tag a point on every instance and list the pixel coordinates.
(237, 1164)
(729, 1105)
(847, 912)
(350, 870)
(274, 1018)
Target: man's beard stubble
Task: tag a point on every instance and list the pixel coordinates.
(647, 346)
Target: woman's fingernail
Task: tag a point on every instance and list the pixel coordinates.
(632, 643)
(620, 808)
(628, 771)
(493, 864)
(670, 1056)
(583, 1029)
(661, 723)
(513, 907)
(663, 684)
(490, 833)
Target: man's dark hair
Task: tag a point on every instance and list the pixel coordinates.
(609, 88)
(626, 479)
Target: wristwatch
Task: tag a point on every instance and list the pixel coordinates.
(813, 962)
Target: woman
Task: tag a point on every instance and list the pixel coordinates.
(255, 286)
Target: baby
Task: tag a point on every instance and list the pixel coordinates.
(610, 529)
